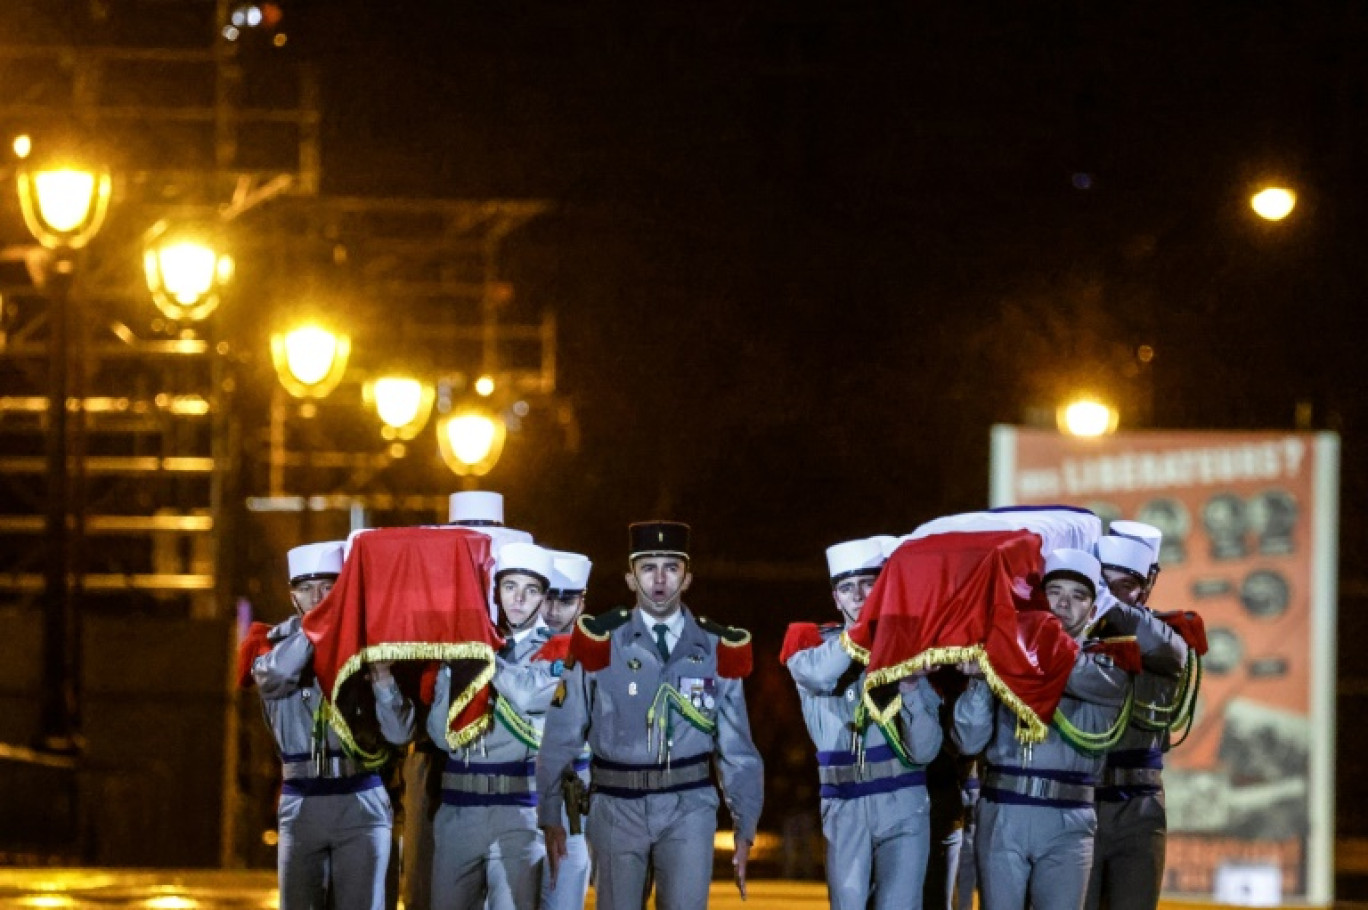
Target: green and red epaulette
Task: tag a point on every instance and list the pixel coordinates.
(1189, 626)
(556, 648)
(253, 645)
(591, 644)
(800, 637)
(734, 658)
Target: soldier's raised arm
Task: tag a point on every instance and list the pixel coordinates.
(973, 715)
(278, 672)
(919, 719)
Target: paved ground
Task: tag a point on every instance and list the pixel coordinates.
(152, 889)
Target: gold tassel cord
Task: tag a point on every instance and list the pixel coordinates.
(1030, 728)
(425, 651)
(853, 651)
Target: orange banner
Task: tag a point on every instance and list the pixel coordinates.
(1249, 542)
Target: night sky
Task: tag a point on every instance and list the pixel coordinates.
(804, 254)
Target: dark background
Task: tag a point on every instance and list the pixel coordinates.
(804, 254)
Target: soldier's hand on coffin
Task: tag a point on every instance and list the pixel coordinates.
(380, 671)
(971, 669)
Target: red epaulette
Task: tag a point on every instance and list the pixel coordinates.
(557, 648)
(734, 657)
(591, 644)
(799, 637)
(1189, 626)
(1124, 652)
(252, 646)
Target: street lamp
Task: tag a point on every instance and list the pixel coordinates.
(310, 359)
(185, 270)
(1087, 417)
(1273, 203)
(403, 404)
(63, 205)
(470, 440)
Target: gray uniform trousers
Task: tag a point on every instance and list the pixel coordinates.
(1132, 825)
(338, 843)
(639, 832)
(1033, 853)
(572, 876)
(876, 849)
(334, 826)
(665, 834)
(488, 850)
(1131, 838)
(878, 833)
(487, 856)
(1029, 849)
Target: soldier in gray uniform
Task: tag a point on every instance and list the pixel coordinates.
(474, 510)
(1128, 859)
(1035, 814)
(334, 818)
(875, 809)
(562, 607)
(488, 851)
(658, 696)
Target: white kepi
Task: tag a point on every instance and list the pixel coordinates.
(864, 556)
(1075, 564)
(527, 558)
(1146, 534)
(475, 508)
(316, 560)
(1123, 553)
(569, 572)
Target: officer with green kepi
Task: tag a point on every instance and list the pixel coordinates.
(655, 670)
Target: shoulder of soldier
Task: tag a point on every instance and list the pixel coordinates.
(591, 644)
(734, 658)
(803, 636)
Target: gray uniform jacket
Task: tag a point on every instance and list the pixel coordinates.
(290, 696)
(527, 687)
(1164, 654)
(830, 713)
(1093, 697)
(609, 708)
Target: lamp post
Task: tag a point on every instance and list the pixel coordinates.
(63, 205)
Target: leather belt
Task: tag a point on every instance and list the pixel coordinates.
(1133, 777)
(1038, 787)
(653, 778)
(487, 784)
(837, 775)
(334, 766)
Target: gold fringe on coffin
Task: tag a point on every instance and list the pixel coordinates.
(1030, 728)
(418, 650)
(854, 651)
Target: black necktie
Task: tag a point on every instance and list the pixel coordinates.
(661, 644)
